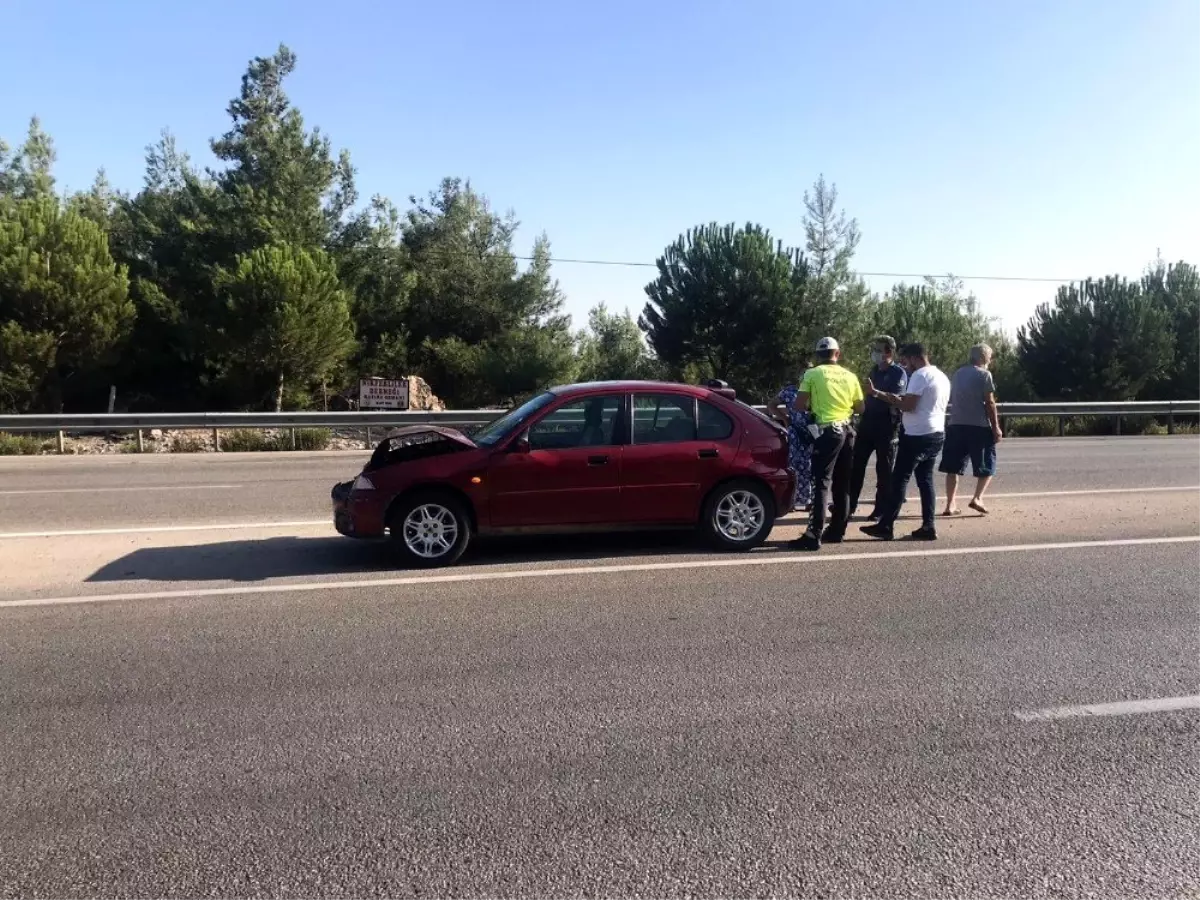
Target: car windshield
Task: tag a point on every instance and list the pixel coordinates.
(494, 432)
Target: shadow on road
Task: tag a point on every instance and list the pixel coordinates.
(292, 557)
(298, 557)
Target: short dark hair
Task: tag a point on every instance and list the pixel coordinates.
(914, 350)
(887, 342)
(825, 355)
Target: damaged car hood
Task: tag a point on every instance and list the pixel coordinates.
(415, 434)
(416, 442)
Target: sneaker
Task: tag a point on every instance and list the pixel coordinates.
(880, 532)
(925, 534)
(833, 537)
(805, 542)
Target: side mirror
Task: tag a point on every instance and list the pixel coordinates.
(521, 443)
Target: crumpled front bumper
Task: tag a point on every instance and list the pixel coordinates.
(357, 515)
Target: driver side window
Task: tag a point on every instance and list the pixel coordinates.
(590, 422)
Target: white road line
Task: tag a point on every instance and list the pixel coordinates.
(1123, 708)
(1137, 490)
(155, 529)
(772, 559)
(140, 489)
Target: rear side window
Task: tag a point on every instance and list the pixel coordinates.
(713, 425)
(663, 418)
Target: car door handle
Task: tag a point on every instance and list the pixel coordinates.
(597, 460)
(707, 453)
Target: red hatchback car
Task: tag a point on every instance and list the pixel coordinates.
(601, 456)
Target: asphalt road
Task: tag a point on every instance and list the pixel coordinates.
(271, 711)
(44, 493)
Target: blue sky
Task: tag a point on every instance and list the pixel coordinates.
(1045, 139)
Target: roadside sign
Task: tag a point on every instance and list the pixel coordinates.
(380, 393)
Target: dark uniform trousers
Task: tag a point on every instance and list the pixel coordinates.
(879, 437)
(832, 458)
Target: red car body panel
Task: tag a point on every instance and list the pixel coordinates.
(618, 485)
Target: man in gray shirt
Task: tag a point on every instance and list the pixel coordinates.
(973, 430)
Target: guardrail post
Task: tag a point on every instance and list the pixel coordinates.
(1062, 426)
(1118, 425)
(368, 437)
(216, 440)
(141, 439)
(293, 431)
(62, 442)
(1171, 420)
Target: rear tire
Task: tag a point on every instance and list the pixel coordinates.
(738, 516)
(429, 530)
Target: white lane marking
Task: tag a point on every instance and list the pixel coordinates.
(155, 529)
(127, 490)
(1123, 708)
(769, 559)
(1137, 490)
(315, 523)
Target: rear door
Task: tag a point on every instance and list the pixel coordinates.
(571, 473)
(680, 447)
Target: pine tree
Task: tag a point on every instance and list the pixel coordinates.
(64, 303)
(472, 307)
(732, 303)
(28, 173)
(290, 318)
(1099, 340)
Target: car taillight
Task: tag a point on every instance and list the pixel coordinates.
(363, 483)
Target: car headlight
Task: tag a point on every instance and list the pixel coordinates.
(363, 483)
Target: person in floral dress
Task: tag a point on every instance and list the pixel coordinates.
(799, 443)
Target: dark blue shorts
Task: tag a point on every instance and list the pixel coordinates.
(969, 442)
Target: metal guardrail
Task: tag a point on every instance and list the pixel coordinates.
(208, 420)
(219, 421)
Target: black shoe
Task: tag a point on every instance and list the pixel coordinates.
(805, 542)
(873, 516)
(881, 532)
(833, 537)
(925, 534)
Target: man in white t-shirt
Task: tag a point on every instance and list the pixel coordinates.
(923, 407)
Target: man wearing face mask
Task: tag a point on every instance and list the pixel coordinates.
(878, 426)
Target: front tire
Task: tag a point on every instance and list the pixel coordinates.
(738, 516)
(429, 530)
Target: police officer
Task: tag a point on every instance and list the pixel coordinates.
(831, 394)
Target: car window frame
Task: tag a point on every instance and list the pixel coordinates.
(680, 395)
(621, 431)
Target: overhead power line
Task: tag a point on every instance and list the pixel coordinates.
(650, 265)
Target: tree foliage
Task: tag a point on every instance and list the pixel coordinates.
(1100, 340)
(64, 303)
(612, 348)
(1177, 289)
(28, 173)
(731, 303)
(939, 314)
(472, 312)
(289, 319)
